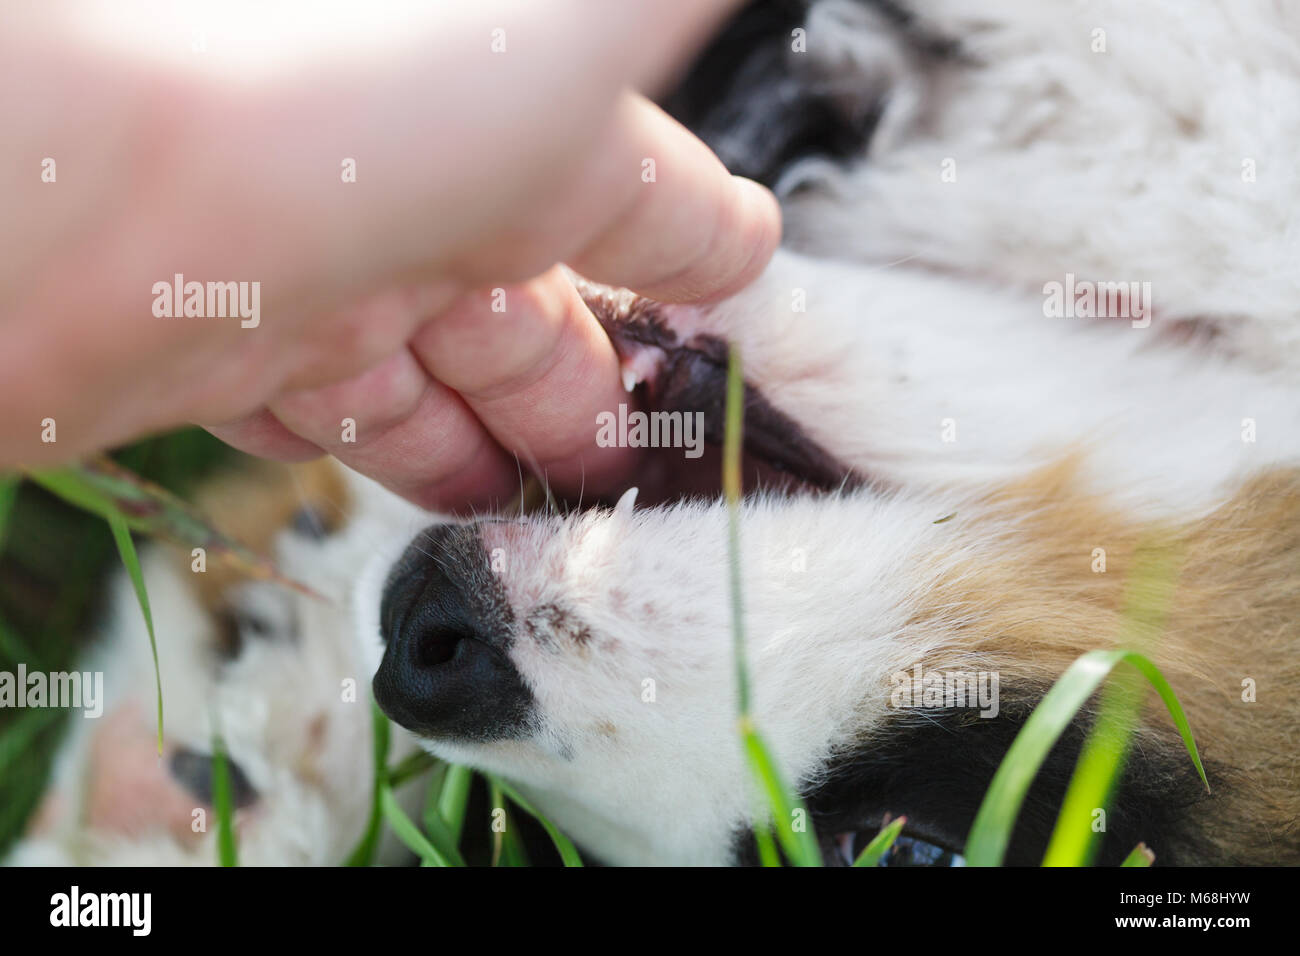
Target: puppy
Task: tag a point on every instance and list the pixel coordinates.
(1034, 334)
(275, 673)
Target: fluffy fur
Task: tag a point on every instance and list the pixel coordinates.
(1164, 157)
(989, 451)
(263, 666)
(923, 361)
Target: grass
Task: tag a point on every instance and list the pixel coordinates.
(1140, 856)
(1150, 589)
(436, 840)
(85, 537)
(364, 854)
(875, 851)
(410, 834)
(786, 813)
(53, 562)
(8, 495)
(223, 805)
(126, 549)
(449, 802)
(568, 852)
(997, 815)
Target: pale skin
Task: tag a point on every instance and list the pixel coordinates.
(477, 169)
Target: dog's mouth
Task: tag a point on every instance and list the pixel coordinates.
(680, 380)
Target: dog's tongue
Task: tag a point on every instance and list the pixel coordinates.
(673, 369)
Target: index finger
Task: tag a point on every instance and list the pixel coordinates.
(682, 227)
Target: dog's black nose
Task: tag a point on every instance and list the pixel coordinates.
(447, 671)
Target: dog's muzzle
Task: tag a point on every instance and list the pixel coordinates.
(446, 672)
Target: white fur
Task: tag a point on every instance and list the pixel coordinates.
(926, 304)
(659, 778)
(1125, 164)
(313, 788)
(883, 356)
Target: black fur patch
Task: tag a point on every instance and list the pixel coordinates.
(936, 771)
(749, 99)
(761, 106)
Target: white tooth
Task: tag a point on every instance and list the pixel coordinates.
(629, 378)
(626, 503)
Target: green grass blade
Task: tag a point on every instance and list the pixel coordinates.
(106, 488)
(875, 851)
(436, 830)
(19, 733)
(8, 494)
(507, 847)
(451, 800)
(364, 852)
(991, 831)
(14, 648)
(26, 776)
(67, 484)
(223, 804)
(1141, 856)
(768, 855)
(800, 847)
(415, 765)
(1074, 842)
(731, 487)
(1157, 680)
(407, 831)
(563, 845)
(126, 548)
(443, 840)
(1149, 592)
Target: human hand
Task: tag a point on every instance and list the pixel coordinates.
(475, 171)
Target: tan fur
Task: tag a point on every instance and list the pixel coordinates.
(1027, 602)
(256, 503)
